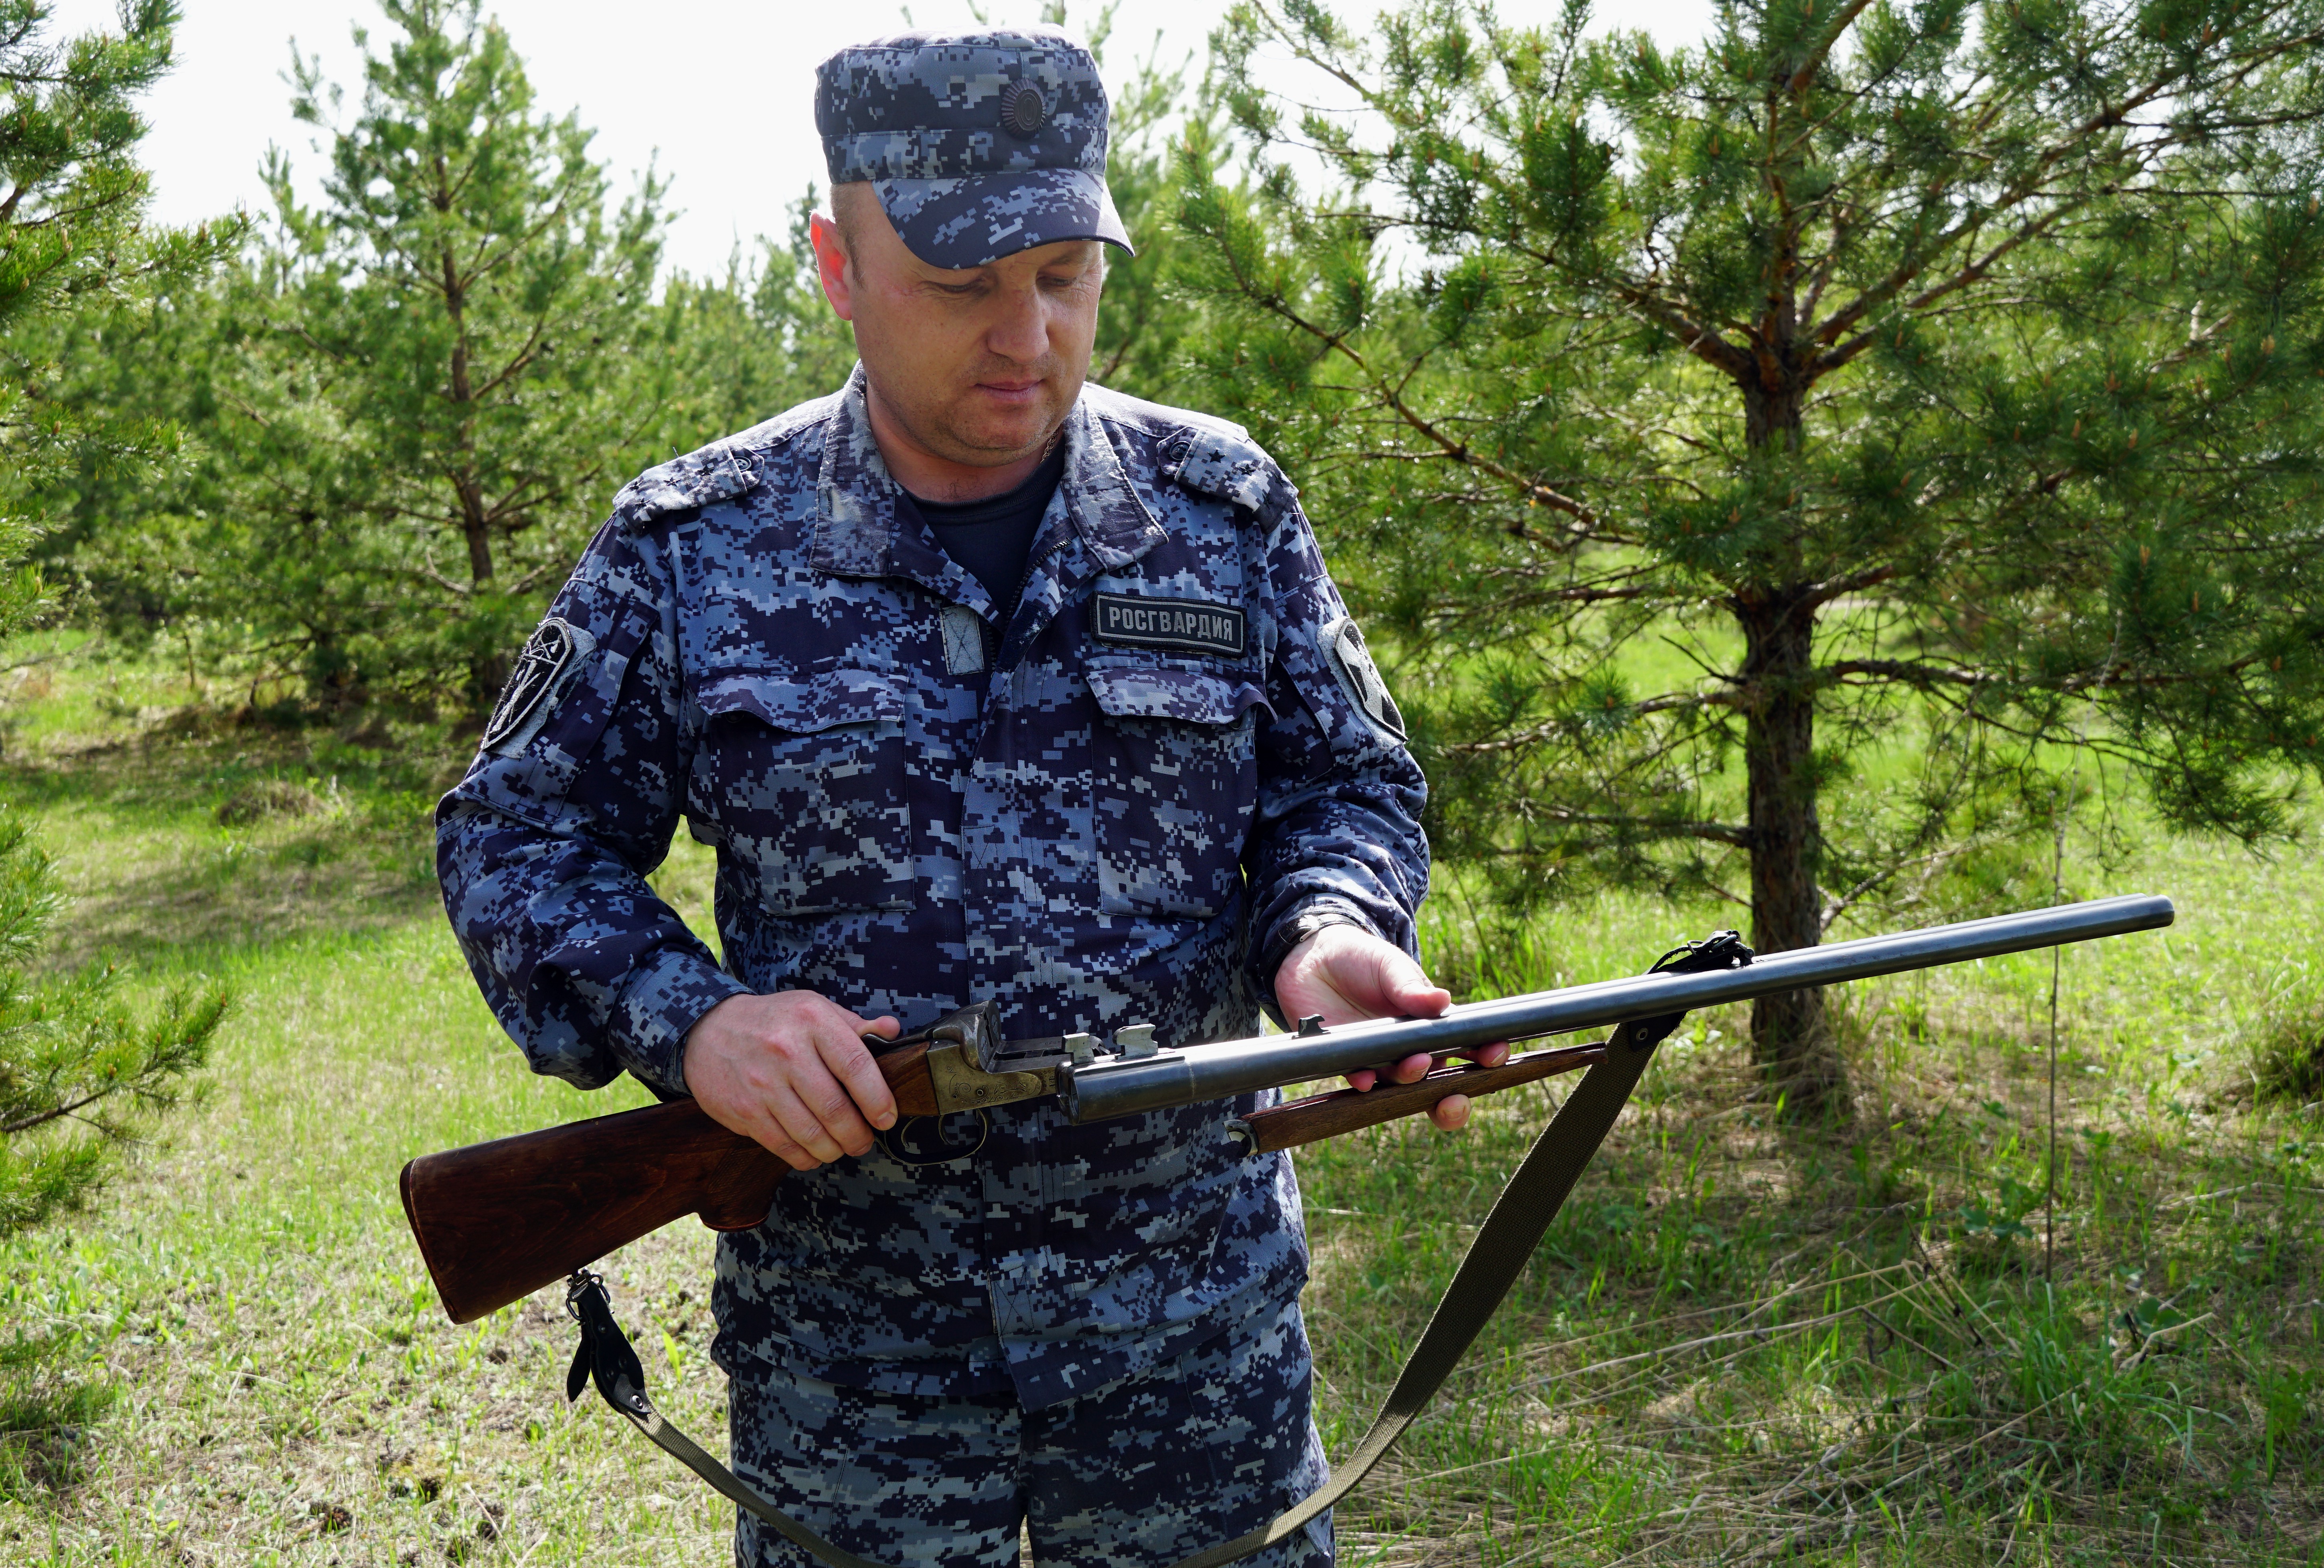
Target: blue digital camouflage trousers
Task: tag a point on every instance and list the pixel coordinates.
(1136, 1475)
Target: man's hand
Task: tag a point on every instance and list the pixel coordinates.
(1346, 974)
(791, 1071)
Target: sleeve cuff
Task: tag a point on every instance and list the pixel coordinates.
(661, 1002)
(1317, 915)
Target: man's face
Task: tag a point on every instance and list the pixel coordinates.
(977, 367)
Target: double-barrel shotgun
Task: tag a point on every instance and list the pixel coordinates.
(497, 1220)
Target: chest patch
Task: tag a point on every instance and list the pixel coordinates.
(1193, 626)
(549, 657)
(963, 640)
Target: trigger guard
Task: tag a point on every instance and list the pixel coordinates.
(900, 1146)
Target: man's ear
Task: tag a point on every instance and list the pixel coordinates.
(830, 242)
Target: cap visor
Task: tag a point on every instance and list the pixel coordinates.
(975, 221)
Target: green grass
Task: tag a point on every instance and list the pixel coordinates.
(1745, 1340)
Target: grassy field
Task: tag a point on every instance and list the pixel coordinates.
(1745, 1341)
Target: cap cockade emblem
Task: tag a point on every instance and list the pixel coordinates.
(1023, 110)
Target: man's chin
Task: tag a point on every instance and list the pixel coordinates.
(991, 441)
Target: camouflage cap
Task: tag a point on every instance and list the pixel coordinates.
(980, 145)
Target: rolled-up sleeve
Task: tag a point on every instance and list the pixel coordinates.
(544, 847)
(1338, 837)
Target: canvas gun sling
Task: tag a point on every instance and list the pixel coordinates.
(1519, 1219)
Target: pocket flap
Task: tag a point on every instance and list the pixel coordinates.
(1189, 696)
(805, 707)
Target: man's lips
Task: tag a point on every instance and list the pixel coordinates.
(1013, 391)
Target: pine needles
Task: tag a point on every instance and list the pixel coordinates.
(81, 1073)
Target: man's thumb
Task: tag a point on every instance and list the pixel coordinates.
(1405, 985)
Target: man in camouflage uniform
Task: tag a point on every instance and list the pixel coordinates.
(1139, 770)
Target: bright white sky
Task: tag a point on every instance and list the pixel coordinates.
(722, 88)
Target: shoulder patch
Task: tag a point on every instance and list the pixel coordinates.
(1231, 466)
(1351, 664)
(551, 656)
(714, 474)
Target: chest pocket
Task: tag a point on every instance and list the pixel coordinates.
(1173, 785)
(801, 787)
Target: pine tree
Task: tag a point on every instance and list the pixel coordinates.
(79, 1070)
(744, 347)
(81, 1073)
(1149, 319)
(1778, 460)
(73, 244)
(456, 336)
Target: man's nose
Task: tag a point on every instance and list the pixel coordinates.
(1021, 331)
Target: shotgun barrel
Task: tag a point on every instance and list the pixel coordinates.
(1122, 1086)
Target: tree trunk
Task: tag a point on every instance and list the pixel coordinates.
(1791, 1036)
(474, 530)
(488, 672)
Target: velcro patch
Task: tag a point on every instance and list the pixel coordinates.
(1352, 664)
(1193, 626)
(963, 640)
(554, 650)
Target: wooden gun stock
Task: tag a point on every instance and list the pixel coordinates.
(497, 1220)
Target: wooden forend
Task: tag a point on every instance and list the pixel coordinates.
(1320, 1117)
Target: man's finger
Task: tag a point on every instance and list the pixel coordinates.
(780, 1144)
(844, 1052)
(828, 1098)
(1411, 1070)
(767, 1133)
(803, 1126)
(1416, 998)
(1450, 1114)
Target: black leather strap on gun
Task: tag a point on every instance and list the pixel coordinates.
(605, 1357)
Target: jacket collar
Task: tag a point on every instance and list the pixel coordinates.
(860, 532)
(1106, 508)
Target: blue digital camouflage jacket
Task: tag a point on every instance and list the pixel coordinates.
(1123, 806)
